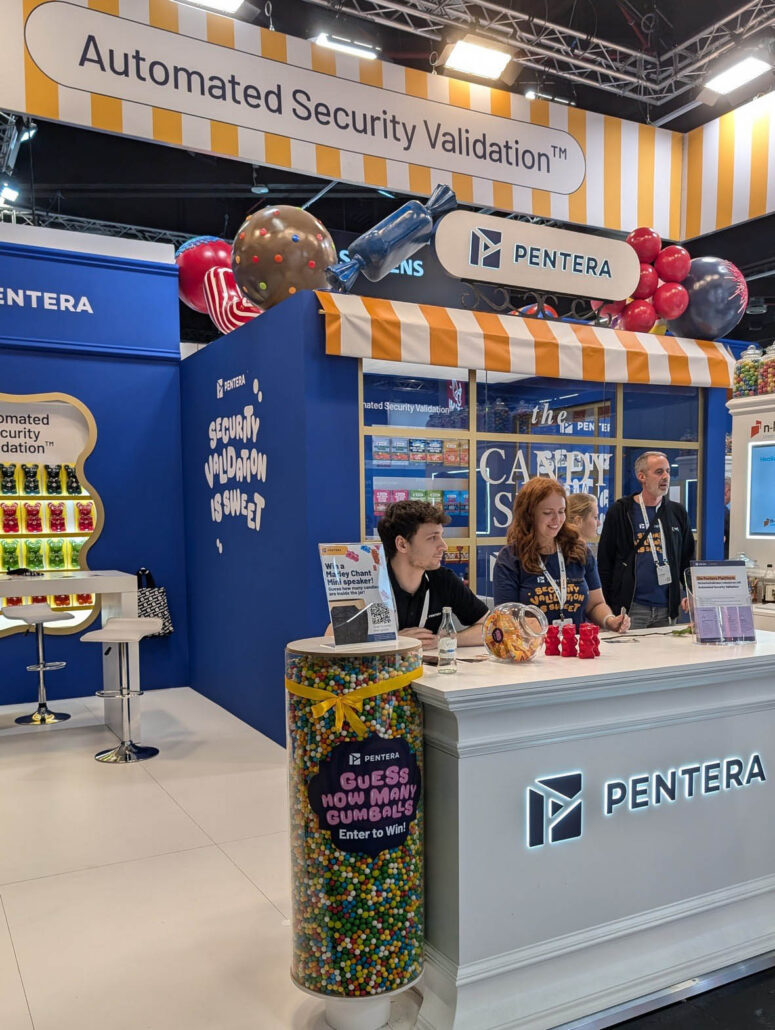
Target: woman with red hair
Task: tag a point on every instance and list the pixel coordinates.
(547, 564)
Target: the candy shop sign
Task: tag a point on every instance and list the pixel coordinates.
(578, 470)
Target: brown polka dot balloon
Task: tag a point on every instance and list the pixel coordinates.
(279, 251)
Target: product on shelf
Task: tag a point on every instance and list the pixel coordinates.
(463, 452)
(72, 483)
(417, 451)
(84, 599)
(435, 497)
(418, 495)
(746, 377)
(56, 517)
(75, 553)
(10, 513)
(514, 632)
(33, 522)
(33, 554)
(7, 479)
(9, 549)
(38, 599)
(435, 451)
(452, 452)
(767, 371)
(53, 479)
(462, 496)
(380, 450)
(10, 602)
(399, 451)
(56, 554)
(381, 501)
(451, 502)
(31, 480)
(399, 495)
(61, 600)
(85, 517)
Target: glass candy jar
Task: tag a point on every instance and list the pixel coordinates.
(515, 632)
(767, 371)
(746, 378)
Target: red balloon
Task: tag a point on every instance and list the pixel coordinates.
(613, 307)
(645, 242)
(193, 259)
(671, 300)
(647, 282)
(639, 316)
(673, 264)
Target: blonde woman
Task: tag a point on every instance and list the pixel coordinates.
(581, 513)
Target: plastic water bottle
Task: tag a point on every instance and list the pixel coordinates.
(447, 637)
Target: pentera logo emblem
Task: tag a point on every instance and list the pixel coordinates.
(219, 388)
(486, 248)
(554, 809)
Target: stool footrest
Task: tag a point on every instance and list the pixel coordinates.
(46, 667)
(109, 694)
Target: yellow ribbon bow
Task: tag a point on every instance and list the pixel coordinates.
(346, 706)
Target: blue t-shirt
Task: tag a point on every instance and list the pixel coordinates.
(511, 582)
(647, 589)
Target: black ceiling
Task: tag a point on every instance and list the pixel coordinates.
(83, 173)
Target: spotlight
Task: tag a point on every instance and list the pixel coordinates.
(8, 194)
(477, 56)
(347, 46)
(223, 6)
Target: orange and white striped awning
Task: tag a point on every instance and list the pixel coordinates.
(366, 327)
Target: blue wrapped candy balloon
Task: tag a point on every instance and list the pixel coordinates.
(393, 240)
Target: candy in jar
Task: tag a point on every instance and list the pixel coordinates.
(767, 371)
(514, 632)
(746, 378)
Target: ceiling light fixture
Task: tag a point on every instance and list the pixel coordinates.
(477, 56)
(222, 6)
(387, 193)
(743, 71)
(347, 46)
(8, 194)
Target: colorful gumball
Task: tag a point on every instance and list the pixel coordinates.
(639, 316)
(647, 282)
(194, 258)
(645, 242)
(279, 251)
(670, 300)
(673, 264)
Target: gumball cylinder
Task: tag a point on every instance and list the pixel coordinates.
(194, 259)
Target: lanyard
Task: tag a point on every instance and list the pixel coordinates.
(561, 591)
(425, 605)
(651, 538)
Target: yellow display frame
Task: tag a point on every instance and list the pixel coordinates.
(617, 442)
(99, 521)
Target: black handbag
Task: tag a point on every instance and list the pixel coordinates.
(152, 602)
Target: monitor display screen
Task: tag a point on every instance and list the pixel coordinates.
(761, 490)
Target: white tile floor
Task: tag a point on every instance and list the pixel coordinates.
(148, 896)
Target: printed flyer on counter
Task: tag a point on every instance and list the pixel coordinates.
(360, 599)
(722, 602)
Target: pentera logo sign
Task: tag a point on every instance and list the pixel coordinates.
(485, 250)
(554, 809)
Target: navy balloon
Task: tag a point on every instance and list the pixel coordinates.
(718, 297)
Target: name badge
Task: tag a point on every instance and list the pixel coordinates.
(664, 576)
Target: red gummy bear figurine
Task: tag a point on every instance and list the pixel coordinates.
(32, 517)
(85, 517)
(586, 640)
(552, 641)
(568, 649)
(56, 517)
(10, 518)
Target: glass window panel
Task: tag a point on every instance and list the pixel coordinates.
(503, 467)
(683, 477)
(551, 407)
(457, 558)
(485, 562)
(418, 469)
(660, 412)
(419, 399)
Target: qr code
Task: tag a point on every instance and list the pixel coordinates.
(380, 615)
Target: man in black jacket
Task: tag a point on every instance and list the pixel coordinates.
(645, 548)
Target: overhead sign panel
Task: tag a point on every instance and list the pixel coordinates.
(535, 257)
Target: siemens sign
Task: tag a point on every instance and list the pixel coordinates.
(554, 802)
(535, 257)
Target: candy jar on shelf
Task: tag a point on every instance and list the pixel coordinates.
(514, 632)
(746, 379)
(767, 371)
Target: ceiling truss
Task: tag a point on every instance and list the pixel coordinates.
(557, 50)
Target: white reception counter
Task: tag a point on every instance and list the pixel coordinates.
(596, 831)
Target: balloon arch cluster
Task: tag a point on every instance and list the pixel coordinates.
(701, 298)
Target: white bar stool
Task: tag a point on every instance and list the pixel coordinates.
(37, 615)
(124, 632)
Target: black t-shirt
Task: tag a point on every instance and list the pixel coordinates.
(446, 591)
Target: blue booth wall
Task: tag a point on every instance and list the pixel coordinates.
(252, 590)
(121, 361)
